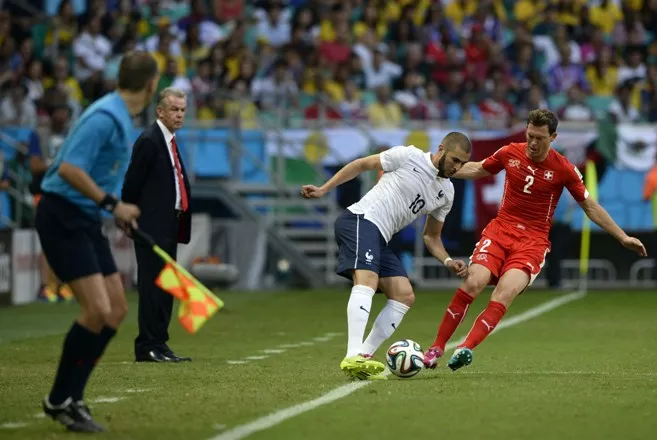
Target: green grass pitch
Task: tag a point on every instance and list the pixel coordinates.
(585, 370)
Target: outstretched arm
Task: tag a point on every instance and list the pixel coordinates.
(472, 171)
(433, 241)
(601, 217)
(346, 173)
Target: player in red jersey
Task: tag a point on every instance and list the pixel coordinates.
(512, 248)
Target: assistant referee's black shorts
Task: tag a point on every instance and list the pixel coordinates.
(72, 241)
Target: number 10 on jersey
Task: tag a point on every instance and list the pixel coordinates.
(417, 204)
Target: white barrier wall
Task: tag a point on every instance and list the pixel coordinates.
(20, 249)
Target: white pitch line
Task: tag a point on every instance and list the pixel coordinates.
(273, 350)
(13, 425)
(256, 358)
(136, 390)
(289, 346)
(275, 418)
(239, 362)
(103, 399)
(322, 339)
(561, 373)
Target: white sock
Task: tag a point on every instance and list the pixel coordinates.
(358, 312)
(385, 325)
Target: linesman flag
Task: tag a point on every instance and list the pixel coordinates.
(197, 302)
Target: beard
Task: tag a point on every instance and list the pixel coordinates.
(441, 167)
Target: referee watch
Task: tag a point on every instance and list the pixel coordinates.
(108, 203)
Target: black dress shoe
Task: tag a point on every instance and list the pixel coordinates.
(176, 358)
(153, 356)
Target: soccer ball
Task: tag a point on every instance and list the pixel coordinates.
(405, 358)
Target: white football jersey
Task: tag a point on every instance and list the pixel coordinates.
(409, 188)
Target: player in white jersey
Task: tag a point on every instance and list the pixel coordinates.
(414, 183)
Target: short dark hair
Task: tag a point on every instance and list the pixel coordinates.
(456, 140)
(541, 118)
(136, 70)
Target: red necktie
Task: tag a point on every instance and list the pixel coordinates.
(181, 182)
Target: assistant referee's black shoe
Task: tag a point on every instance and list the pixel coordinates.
(74, 416)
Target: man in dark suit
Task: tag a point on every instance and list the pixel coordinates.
(157, 183)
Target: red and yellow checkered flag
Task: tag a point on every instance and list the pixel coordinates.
(197, 302)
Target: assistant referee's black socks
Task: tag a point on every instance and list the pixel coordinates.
(81, 377)
(78, 345)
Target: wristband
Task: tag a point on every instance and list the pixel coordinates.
(447, 260)
(108, 203)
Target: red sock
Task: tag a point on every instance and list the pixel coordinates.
(453, 316)
(484, 324)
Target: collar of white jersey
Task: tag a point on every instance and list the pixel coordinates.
(427, 155)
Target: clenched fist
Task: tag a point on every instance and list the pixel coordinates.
(312, 192)
(458, 267)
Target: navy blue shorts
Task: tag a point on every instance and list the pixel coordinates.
(71, 240)
(361, 246)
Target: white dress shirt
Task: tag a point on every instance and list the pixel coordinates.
(168, 138)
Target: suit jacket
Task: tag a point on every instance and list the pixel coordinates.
(149, 184)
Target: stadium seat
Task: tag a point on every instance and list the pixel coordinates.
(556, 102)
(211, 153)
(39, 32)
(18, 134)
(599, 104)
(632, 185)
(5, 210)
(255, 159)
(609, 188)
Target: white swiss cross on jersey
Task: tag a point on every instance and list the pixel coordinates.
(409, 188)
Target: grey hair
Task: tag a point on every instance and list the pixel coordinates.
(169, 91)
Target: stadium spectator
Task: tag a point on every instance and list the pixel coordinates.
(91, 50)
(605, 15)
(352, 106)
(384, 112)
(17, 109)
(465, 47)
(566, 74)
(274, 26)
(34, 80)
(497, 108)
(275, 90)
(602, 74)
(621, 108)
(382, 71)
(576, 108)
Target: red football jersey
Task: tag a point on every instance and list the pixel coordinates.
(532, 190)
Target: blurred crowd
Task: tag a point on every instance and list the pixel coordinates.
(381, 61)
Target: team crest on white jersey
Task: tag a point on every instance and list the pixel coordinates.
(549, 175)
(514, 163)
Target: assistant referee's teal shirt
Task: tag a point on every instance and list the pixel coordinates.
(99, 144)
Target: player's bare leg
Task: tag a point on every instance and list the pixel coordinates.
(477, 279)
(512, 283)
(400, 296)
(355, 364)
(78, 353)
